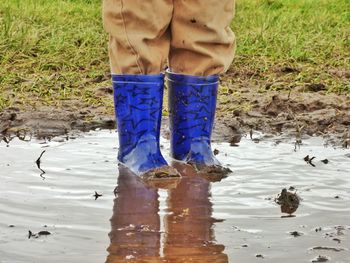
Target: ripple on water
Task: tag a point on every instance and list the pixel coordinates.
(235, 219)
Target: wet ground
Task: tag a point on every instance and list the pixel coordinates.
(85, 209)
(241, 108)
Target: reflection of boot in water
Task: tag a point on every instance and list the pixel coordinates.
(189, 224)
(135, 222)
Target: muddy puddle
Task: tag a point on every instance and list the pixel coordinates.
(81, 208)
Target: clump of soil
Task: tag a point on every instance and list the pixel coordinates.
(37, 235)
(321, 259)
(161, 173)
(296, 233)
(288, 201)
(213, 173)
(165, 177)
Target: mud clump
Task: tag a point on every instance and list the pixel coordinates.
(161, 172)
(321, 259)
(165, 177)
(288, 69)
(37, 235)
(316, 87)
(296, 233)
(288, 201)
(212, 173)
(325, 161)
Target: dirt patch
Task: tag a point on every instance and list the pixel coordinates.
(293, 113)
(47, 122)
(241, 110)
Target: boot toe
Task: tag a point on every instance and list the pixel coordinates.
(164, 177)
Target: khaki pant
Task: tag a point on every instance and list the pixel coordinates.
(190, 36)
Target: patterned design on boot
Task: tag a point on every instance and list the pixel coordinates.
(138, 108)
(192, 104)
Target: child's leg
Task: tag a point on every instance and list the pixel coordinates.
(202, 42)
(139, 37)
(138, 50)
(202, 46)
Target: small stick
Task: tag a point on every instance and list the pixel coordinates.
(38, 163)
(97, 195)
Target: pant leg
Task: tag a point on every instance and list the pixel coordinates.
(139, 35)
(202, 41)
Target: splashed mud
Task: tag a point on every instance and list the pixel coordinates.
(288, 201)
(234, 220)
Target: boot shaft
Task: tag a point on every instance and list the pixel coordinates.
(192, 104)
(138, 103)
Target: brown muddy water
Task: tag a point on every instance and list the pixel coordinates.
(235, 220)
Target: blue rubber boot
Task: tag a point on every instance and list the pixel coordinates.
(138, 109)
(192, 104)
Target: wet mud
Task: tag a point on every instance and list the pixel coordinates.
(87, 208)
(288, 201)
(242, 110)
(298, 115)
(48, 122)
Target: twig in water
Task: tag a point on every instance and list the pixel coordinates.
(38, 163)
(308, 160)
(96, 195)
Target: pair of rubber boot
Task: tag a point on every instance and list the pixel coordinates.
(138, 107)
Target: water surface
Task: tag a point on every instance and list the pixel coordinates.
(235, 220)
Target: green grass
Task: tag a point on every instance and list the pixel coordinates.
(51, 51)
(310, 36)
(56, 50)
